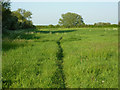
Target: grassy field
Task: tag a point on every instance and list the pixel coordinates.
(61, 58)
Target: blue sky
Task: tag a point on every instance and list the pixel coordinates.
(45, 13)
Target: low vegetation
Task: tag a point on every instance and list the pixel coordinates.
(60, 58)
(71, 54)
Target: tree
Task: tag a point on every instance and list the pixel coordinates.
(0, 15)
(51, 26)
(6, 14)
(5, 4)
(19, 19)
(23, 18)
(8, 20)
(71, 20)
(23, 14)
(102, 24)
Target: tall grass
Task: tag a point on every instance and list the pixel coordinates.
(88, 58)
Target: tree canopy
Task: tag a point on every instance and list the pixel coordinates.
(102, 24)
(23, 17)
(71, 20)
(19, 19)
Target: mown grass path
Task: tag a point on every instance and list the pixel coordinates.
(59, 77)
(64, 58)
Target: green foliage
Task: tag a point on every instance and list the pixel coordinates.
(82, 26)
(6, 14)
(19, 19)
(0, 14)
(91, 58)
(23, 18)
(71, 20)
(22, 14)
(102, 24)
(5, 4)
(66, 57)
(49, 26)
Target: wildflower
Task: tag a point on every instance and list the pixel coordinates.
(103, 81)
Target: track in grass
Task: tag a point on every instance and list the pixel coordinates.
(59, 77)
(85, 58)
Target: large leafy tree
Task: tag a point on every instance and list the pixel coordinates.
(8, 20)
(0, 14)
(24, 18)
(22, 14)
(6, 13)
(71, 20)
(19, 19)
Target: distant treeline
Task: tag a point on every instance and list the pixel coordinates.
(82, 26)
(21, 19)
(13, 20)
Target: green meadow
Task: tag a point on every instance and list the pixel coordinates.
(60, 58)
